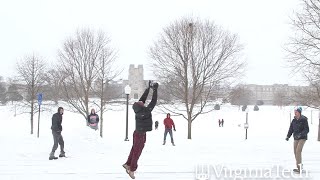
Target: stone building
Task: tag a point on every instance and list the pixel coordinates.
(269, 93)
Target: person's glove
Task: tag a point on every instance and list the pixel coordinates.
(155, 86)
(287, 139)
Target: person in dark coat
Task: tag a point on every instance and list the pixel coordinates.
(156, 125)
(222, 122)
(299, 127)
(168, 124)
(93, 120)
(56, 128)
(144, 123)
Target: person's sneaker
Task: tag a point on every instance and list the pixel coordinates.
(131, 174)
(52, 158)
(125, 166)
(62, 154)
(296, 170)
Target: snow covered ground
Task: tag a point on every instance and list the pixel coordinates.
(25, 157)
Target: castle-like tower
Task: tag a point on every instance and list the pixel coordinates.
(136, 81)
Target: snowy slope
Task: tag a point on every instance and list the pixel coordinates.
(25, 157)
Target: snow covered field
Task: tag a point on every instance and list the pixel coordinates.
(25, 157)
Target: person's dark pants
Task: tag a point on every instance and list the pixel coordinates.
(166, 131)
(139, 138)
(57, 139)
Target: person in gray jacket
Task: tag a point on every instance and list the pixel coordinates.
(56, 128)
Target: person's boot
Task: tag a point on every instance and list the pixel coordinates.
(62, 154)
(173, 144)
(125, 166)
(299, 169)
(131, 174)
(164, 142)
(52, 157)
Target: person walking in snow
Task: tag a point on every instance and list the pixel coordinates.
(56, 128)
(156, 125)
(168, 124)
(299, 127)
(143, 119)
(93, 119)
(219, 123)
(222, 122)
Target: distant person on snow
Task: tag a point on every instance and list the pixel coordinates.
(156, 125)
(143, 119)
(168, 124)
(299, 127)
(93, 119)
(56, 132)
(219, 123)
(222, 122)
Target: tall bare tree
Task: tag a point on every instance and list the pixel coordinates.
(304, 48)
(31, 72)
(192, 57)
(106, 73)
(79, 57)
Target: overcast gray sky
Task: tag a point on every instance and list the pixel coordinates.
(41, 26)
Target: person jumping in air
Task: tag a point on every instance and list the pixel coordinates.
(168, 124)
(93, 119)
(299, 127)
(143, 119)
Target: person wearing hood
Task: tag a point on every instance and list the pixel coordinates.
(93, 119)
(168, 124)
(143, 118)
(299, 127)
(56, 128)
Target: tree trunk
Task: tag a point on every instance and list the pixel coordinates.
(189, 128)
(31, 114)
(319, 131)
(101, 120)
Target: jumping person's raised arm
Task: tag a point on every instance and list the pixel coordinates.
(154, 99)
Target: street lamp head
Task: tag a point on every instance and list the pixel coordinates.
(127, 89)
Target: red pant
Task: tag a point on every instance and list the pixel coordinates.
(139, 138)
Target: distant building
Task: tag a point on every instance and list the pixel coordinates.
(269, 94)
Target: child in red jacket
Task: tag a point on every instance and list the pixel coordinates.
(168, 124)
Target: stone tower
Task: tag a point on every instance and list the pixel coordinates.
(136, 81)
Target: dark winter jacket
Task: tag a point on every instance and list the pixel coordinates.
(56, 121)
(299, 128)
(143, 114)
(93, 118)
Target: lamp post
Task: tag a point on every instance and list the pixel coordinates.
(246, 125)
(127, 91)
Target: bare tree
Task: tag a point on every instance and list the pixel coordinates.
(106, 73)
(304, 48)
(280, 99)
(3, 91)
(192, 57)
(31, 70)
(53, 85)
(240, 96)
(79, 58)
